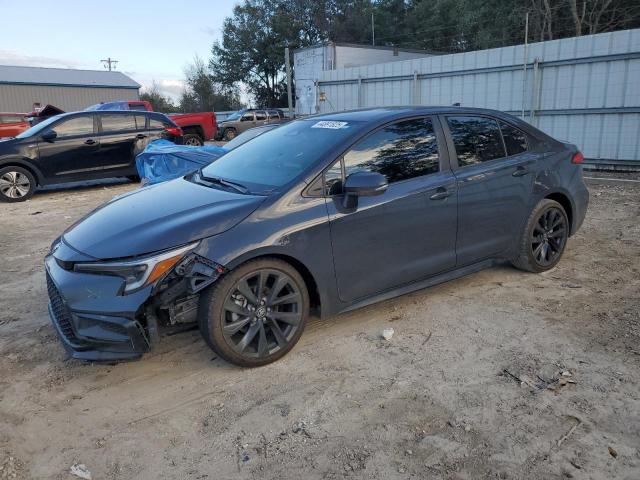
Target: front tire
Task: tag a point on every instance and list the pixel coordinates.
(16, 184)
(544, 238)
(255, 314)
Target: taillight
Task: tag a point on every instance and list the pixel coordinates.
(578, 158)
(176, 131)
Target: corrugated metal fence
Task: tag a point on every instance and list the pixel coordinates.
(585, 90)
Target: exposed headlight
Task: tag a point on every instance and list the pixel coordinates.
(140, 272)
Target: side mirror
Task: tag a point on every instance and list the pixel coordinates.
(49, 136)
(363, 184)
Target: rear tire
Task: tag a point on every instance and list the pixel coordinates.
(544, 238)
(230, 134)
(255, 314)
(192, 140)
(17, 184)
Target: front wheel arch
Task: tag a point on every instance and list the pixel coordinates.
(301, 268)
(27, 166)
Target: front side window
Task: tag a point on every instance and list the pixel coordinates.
(514, 139)
(399, 151)
(247, 117)
(76, 126)
(476, 139)
(117, 123)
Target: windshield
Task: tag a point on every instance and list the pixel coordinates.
(278, 156)
(232, 117)
(29, 132)
(246, 136)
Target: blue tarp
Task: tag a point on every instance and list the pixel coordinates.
(163, 160)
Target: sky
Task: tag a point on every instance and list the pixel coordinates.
(153, 40)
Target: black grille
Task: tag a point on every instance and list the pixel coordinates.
(61, 313)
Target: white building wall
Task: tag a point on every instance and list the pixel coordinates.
(309, 64)
(585, 90)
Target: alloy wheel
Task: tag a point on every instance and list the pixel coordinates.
(193, 142)
(262, 313)
(549, 236)
(14, 184)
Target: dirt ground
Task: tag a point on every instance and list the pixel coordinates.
(501, 374)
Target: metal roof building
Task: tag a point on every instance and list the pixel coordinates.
(23, 87)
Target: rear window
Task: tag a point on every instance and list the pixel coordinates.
(117, 123)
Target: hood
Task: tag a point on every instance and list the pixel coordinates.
(159, 217)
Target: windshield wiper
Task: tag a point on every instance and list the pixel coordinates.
(238, 187)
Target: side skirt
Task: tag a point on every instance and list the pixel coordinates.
(421, 284)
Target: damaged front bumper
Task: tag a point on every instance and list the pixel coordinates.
(92, 321)
(97, 323)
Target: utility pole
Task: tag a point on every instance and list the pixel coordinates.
(525, 59)
(288, 67)
(373, 32)
(109, 63)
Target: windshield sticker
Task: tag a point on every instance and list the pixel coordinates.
(330, 124)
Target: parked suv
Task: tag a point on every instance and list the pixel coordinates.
(245, 119)
(328, 213)
(78, 146)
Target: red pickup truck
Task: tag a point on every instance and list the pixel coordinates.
(197, 127)
(11, 124)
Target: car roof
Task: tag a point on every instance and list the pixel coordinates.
(390, 113)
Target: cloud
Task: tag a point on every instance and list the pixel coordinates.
(15, 57)
(167, 87)
(210, 31)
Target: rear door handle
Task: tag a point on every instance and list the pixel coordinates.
(90, 141)
(520, 172)
(441, 194)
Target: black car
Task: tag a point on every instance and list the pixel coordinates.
(327, 213)
(78, 146)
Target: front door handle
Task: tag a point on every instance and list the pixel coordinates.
(441, 194)
(520, 172)
(140, 136)
(89, 141)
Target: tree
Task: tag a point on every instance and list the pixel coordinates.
(203, 94)
(159, 102)
(252, 48)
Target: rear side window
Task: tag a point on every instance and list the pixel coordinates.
(273, 114)
(118, 123)
(75, 127)
(155, 124)
(476, 139)
(260, 115)
(399, 151)
(137, 106)
(141, 122)
(514, 139)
